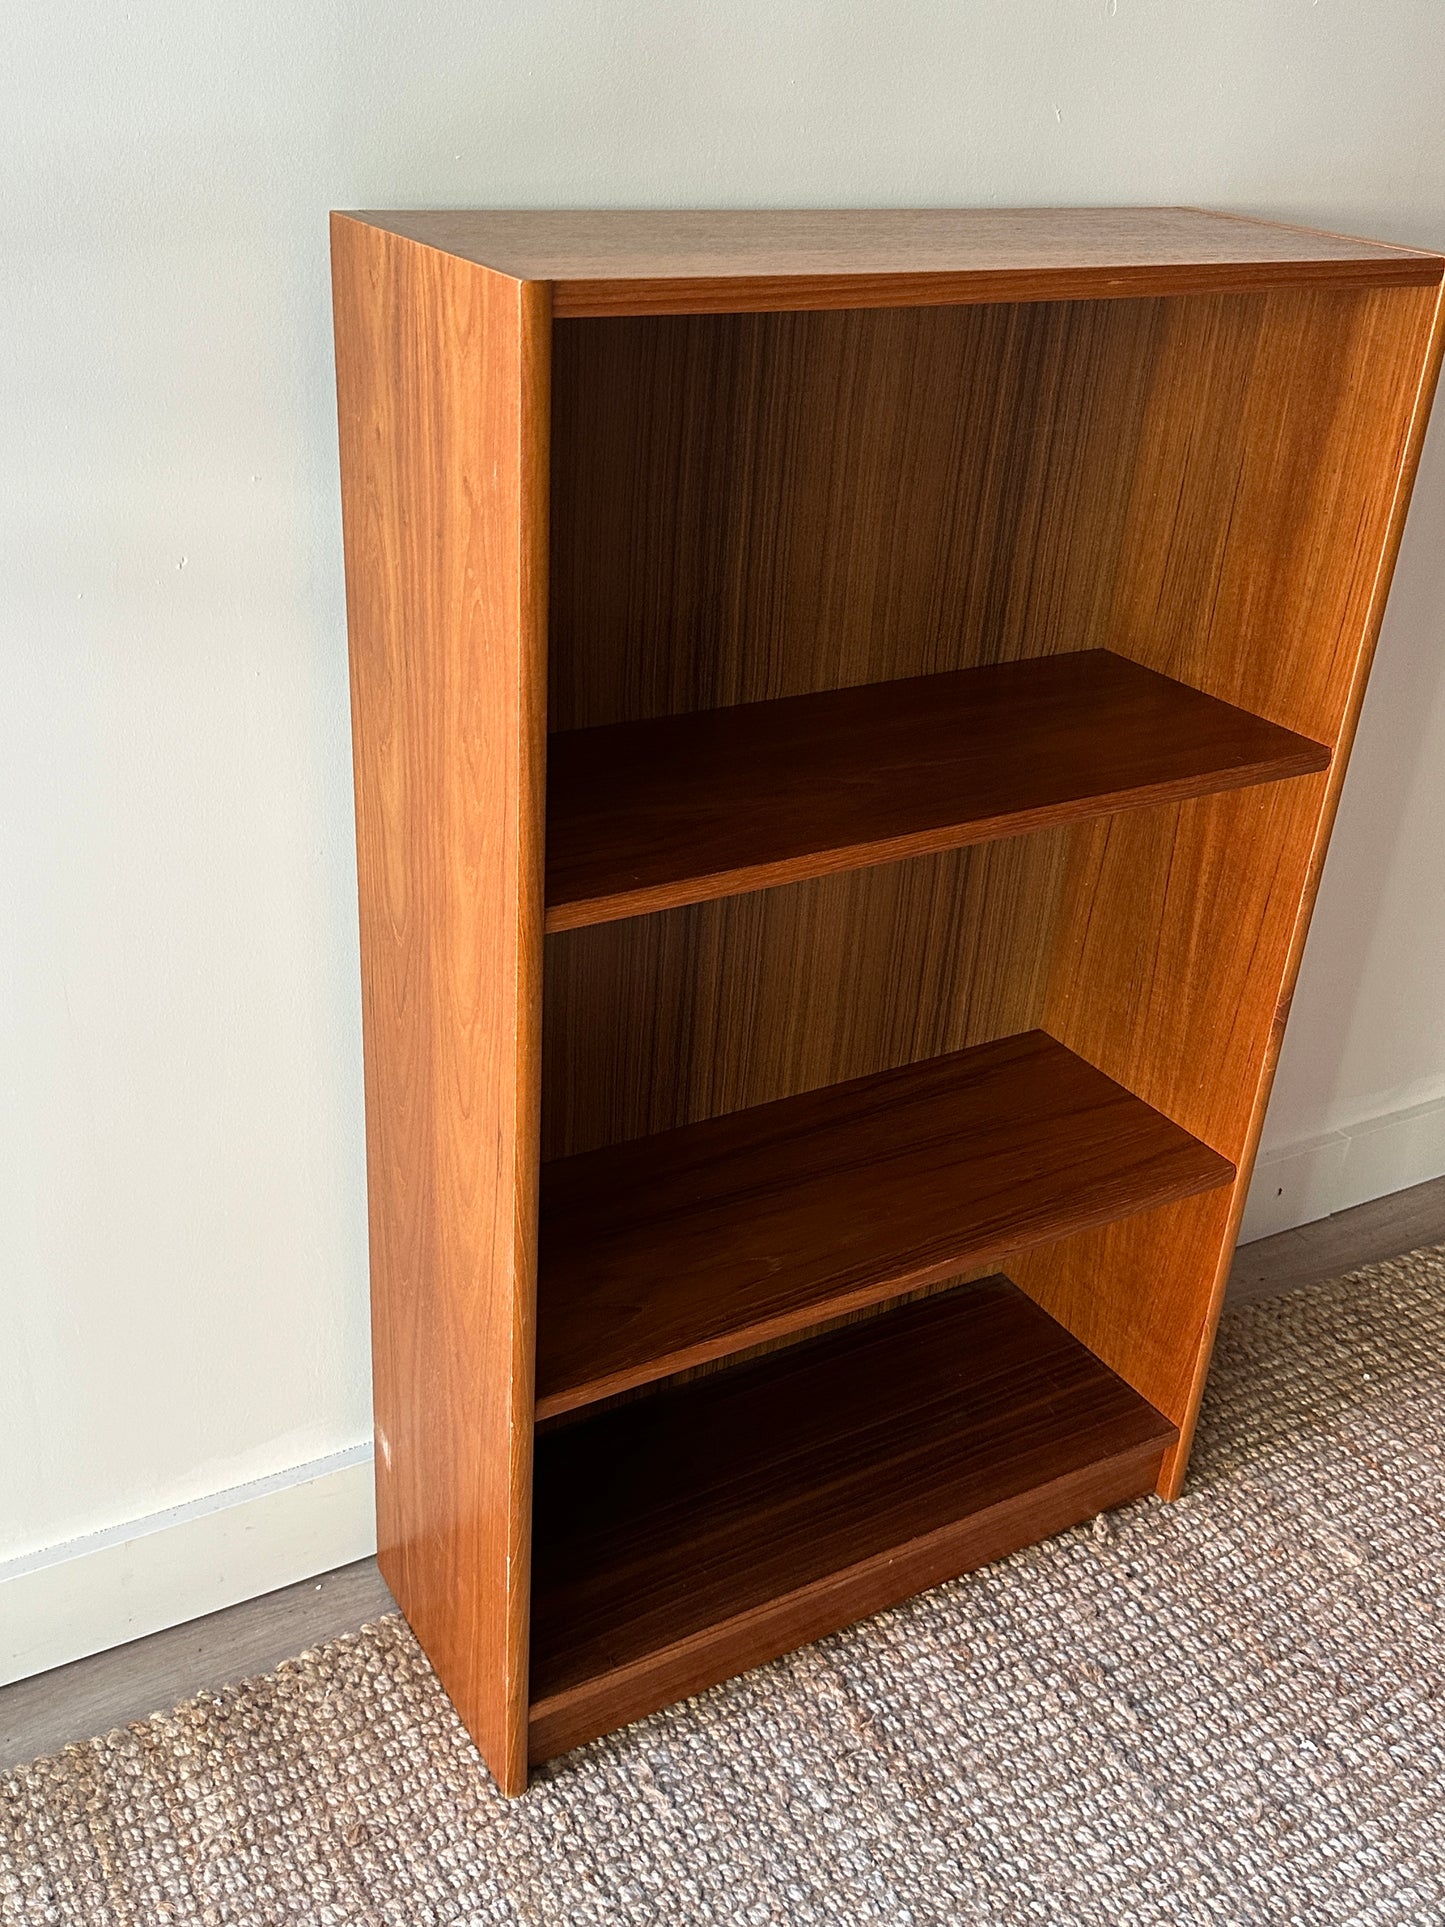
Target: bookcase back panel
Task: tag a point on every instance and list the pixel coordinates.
(751, 506)
(662, 1020)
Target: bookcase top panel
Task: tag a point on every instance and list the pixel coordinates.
(660, 261)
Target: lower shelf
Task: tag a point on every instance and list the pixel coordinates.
(667, 1251)
(700, 1531)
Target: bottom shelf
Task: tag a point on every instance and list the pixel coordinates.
(695, 1533)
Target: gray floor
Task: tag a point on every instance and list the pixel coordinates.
(42, 1714)
(1382, 1229)
(91, 1696)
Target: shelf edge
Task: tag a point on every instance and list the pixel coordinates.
(577, 1398)
(595, 300)
(581, 913)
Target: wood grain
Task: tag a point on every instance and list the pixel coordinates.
(686, 1537)
(659, 1021)
(665, 261)
(658, 1254)
(747, 507)
(1180, 932)
(442, 382)
(644, 816)
(1205, 472)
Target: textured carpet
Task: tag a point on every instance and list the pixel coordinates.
(1228, 1710)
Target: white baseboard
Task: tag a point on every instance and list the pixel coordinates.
(93, 1593)
(1293, 1186)
(1301, 1182)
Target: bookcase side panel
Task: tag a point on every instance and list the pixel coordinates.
(1276, 463)
(442, 371)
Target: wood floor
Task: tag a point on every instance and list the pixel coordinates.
(93, 1695)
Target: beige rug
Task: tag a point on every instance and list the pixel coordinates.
(1231, 1710)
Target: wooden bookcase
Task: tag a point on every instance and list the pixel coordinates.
(848, 710)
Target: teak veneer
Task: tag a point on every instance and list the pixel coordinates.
(598, 262)
(650, 1250)
(643, 816)
(848, 710)
(709, 1528)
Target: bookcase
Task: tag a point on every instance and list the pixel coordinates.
(848, 710)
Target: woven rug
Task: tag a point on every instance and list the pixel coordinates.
(1230, 1710)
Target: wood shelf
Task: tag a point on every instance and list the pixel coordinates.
(686, 1536)
(668, 1251)
(644, 816)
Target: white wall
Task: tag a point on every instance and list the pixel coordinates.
(182, 1249)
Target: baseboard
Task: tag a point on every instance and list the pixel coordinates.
(93, 1593)
(1299, 1183)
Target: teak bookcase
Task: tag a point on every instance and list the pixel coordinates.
(848, 712)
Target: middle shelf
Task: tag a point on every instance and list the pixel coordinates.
(664, 1252)
(642, 816)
